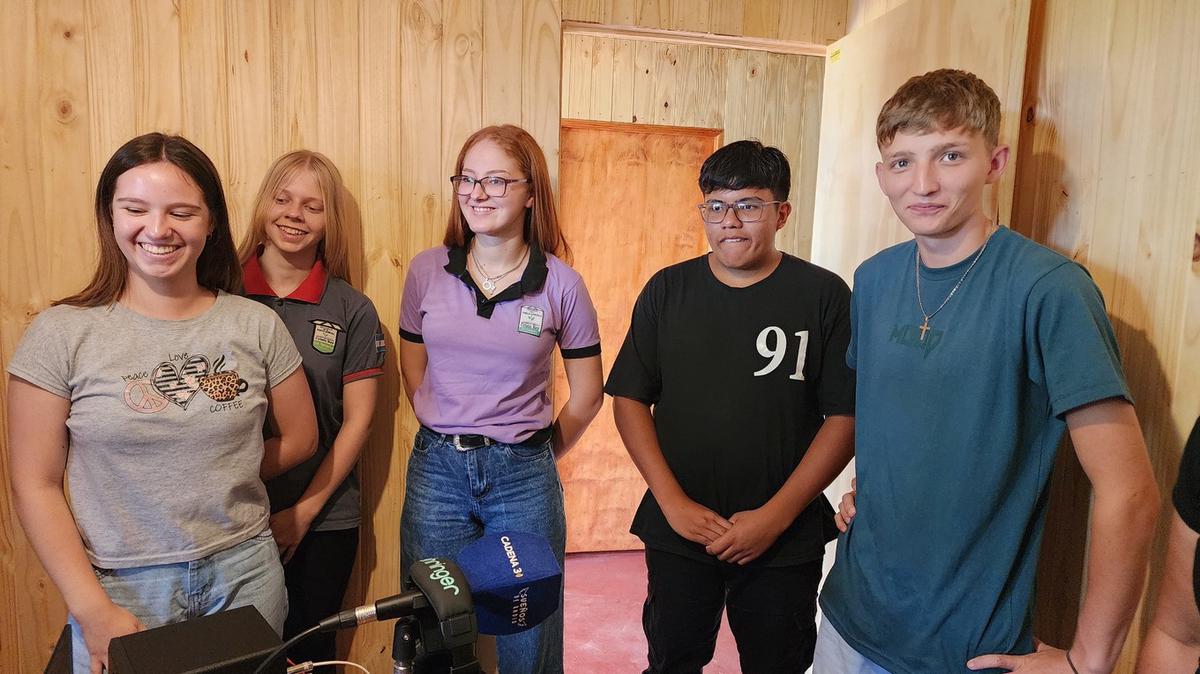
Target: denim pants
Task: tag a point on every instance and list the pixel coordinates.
(248, 574)
(835, 656)
(453, 497)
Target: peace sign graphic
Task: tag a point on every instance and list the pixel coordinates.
(140, 396)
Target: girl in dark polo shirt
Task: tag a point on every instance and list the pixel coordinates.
(479, 320)
(294, 260)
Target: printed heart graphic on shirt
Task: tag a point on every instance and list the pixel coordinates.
(180, 385)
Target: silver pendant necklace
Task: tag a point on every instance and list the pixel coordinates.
(927, 316)
(489, 281)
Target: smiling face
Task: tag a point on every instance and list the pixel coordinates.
(296, 216)
(488, 215)
(161, 224)
(746, 248)
(935, 181)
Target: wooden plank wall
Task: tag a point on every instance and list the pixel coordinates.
(387, 88)
(1107, 174)
(1106, 169)
(775, 98)
(860, 12)
(819, 21)
(853, 220)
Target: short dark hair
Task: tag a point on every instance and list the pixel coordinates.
(747, 164)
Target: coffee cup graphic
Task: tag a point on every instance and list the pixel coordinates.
(223, 386)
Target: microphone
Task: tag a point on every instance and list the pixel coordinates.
(395, 606)
(512, 578)
(432, 582)
(515, 580)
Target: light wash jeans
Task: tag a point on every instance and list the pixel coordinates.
(248, 574)
(453, 497)
(835, 656)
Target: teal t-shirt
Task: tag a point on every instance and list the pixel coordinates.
(956, 435)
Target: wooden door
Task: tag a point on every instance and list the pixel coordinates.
(628, 194)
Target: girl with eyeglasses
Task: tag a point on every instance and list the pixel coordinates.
(480, 318)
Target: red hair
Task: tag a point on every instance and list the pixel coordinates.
(541, 220)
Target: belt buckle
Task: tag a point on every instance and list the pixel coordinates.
(457, 439)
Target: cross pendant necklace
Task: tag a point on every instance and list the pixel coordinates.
(917, 255)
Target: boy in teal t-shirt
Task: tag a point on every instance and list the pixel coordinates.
(974, 350)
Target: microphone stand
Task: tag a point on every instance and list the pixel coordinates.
(404, 646)
(409, 644)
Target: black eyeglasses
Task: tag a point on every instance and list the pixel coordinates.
(713, 210)
(493, 186)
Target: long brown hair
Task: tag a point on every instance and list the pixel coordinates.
(217, 267)
(541, 220)
(333, 250)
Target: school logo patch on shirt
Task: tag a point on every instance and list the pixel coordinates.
(531, 319)
(325, 335)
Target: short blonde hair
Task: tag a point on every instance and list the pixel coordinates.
(333, 251)
(941, 100)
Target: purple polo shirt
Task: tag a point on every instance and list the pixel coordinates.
(489, 359)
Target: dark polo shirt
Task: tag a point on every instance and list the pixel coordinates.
(337, 331)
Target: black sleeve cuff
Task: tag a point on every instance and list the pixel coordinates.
(584, 352)
(411, 337)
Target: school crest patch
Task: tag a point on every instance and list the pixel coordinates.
(325, 335)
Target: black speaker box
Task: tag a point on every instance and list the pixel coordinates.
(230, 642)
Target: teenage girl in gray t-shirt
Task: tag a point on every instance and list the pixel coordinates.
(147, 392)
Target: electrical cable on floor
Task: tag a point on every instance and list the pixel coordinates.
(305, 667)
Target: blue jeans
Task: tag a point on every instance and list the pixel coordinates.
(835, 656)
(248, 574)
(453, 497)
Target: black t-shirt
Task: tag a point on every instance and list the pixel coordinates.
(1187, 498)
(740, 380)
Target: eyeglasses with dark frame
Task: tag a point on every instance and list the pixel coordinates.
(493, 186)
(746, 210)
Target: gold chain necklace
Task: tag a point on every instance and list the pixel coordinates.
(917, 255)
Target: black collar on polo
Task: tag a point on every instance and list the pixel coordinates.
(531, 280)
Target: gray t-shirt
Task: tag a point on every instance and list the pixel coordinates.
(165, 424)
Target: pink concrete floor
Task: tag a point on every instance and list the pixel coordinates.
(603, 600)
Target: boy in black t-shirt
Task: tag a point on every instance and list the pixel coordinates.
(733, 398)
(1173, 641)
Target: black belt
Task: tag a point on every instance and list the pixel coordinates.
(467, 441)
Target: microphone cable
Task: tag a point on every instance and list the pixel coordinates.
(286, 645)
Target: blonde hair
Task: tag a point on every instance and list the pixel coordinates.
(333, 250)
(941, 100)
(541, 220)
